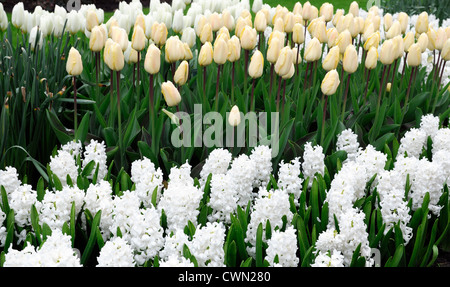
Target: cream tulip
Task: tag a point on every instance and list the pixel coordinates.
(74, 64)
(170, 93)
(313, 50)
(205, 56)
(326, 11)
(354, 8)
(387, 52)
(91, 20)
(372, 41)
(284, 61)
(174, 49)
(371, 59)
(331, 60)
(96, 41)
(159, 33)
(344, 39)
(152, 61)
(234, 49)
(298, 33)
(273, 50)
(288, 22)
(423, 42)
(260, 22)
(138, 39)
(220, 52)
(255, 69)
(422, 23)
(206, 35)
(116, 59)
(248, 38)
(119, 35)
(414, 57)
(408, 40)
(441, 38)
(182, 73)
(350, 60)
(332, 36)
(403, 18)
(234, 117)
(445, 53)
(330, 83)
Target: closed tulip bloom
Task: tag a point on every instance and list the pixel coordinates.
(394, 31)
(240, 25)
(284, 61)
(17, 16)
(205, 56)
(388, 21)
(337, 16)
(414, 57)
(371, 58)
(331, 60)
(445, 54)
(234, 49)
(170, 93)
(326, 11)
(73, 24)
(220, 52)
(255, 69)
(188, 36)
(332, 36)
(423, 42)
(278, 25)
(408, 40)
(432, 37)
(152, 61)
(354, 8)
(307, 12)
(96, 41)
(403, 18)
(91, 20)
(159, 33)
(387, 52)
(216, 21)
(297, 57)
(298, 33)
(206, 35)
(138, 39)
(187, 52)
(260, 21)
(320, 32)
(422, 23)
(350, 60)
(273, 50)
(116, 61)
(298, 8)
(234, 117)
(441, 37)
(107, 51)
(344, 39)
(140, 21)
(290, 74)
(119, 35)
(368, 31)
(313, 50)
(277, 34)
(182, 73)
(177, 24)
(330, 83)
(228, 20)
(34, 34)
(223, 33)
(131, 55)
(174, 49)
(388, 87)
(398, 46)
(74, 64)
(288, 22)
(248, 38)
(372, 41)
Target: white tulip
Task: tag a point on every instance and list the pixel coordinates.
(18, 15)
(33, 36)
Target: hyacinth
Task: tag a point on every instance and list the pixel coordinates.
(173, 245)
(21, 201)
(223, 198)
(116, 253)
(289, 178)
(100, 197)
(63, 164)
(56, 251)
(55, 207)
(284, 246)
(313, 161)
(270, 205)
(207, 245)
(3, 230)
(73, 147)
(441, 140)
(175, 261)
(348, 142)
(412, 143)
(146, 179)
(262, 157)
(218, 162)
(96, 151)
(442, 158)
(352, 232)
(372, 160)
(328, 259)
(430, 125)
(9, 179)
(242, 174)
(181, 199)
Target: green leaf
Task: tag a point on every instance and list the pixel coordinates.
(231, 254)
(92, 238)
(83, 128)
(259, 246)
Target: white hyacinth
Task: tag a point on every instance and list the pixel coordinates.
(116, 253)
(207, 245)
(430, 125)
(147, 178)
(9, 179)
(262, 158)
(284, 246)
(412, 143)
(218, 162)
(223, 198)
(96, 151)
(174, 261)
(63, 164)
(21, 201)
(348, 142)
(289, 178)
(313, 161)
(328, 259)
(242, 174)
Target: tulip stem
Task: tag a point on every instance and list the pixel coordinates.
(134, 72)
(367, 86)
(150, 106)
(306, 76)
(75, 111)
(246, 69)
(278, 93)
(381, 89)
(204, 81)
(119, 115)
(232, 82)
(271, 79)
(138, 68)
(298, 65)
(345, 96)
(251, 97)
(322, 135)
(439, 85)
(411, 78)
(217, 88)
(284, 95)
(404, 65)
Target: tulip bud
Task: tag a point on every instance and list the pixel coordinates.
(354, 9)
(414, 57)
(178, 24)
(331, 61)
(96, 41)
(307, 12)
(403, 18)
(91, 20)
(441, 37)
(445, 54)
(174, 49)
(332, 36)
(344, 39)
(131, 55)
(278, 25)
(330, 83)
(388, 87)
(216, 21)
(313, 50)
(255, 69)
(320, 32)
(170, 93)
(188, 36)
(432, 37)
(290, 74)
(223, 33)
(138, 39)
(394, 31)
(422, 23)
(159, 33)
(205, 56)
(152, 61)
(234, 117)
(248, 38)
(240, 24)
(206, 35)
(398, 46)
(288, 22)
(187, 52)
(371, 58)
(284, 61)
(387, 52)
(116, 59)
(260, 21)
(140, 21)
(326, 10)
(388, 21)
(372, 41)
(408, 41)
(273, 50)
(298, 33)
(220, 52)
(119, 35)
(182, 73)
(350, 61)
(423, 42)
(234, 49)
(200, 22)
(228, 20)
(74, 64)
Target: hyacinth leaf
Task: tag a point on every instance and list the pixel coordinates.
(355, 256)
(83, 128)
(5, 204)
(60, 131)
(302, 238)
(315, 202)
(247, 263)
(9, 229)
(230, 252)
(56, 182)
(418, 244)
(100, 241)
(306, 260)
(87, 170)
(147, 152)
(92, 238)
(395, 260)
(34, 216)
(259, 246)
(431, 244)
(72, 223)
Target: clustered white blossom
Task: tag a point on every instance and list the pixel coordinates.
(289, 178)
(116, 252)
(313, 161)
(283, 246)
(147, 179)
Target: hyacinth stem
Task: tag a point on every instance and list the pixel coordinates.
(411, 78)
(217, 87)
(345, 96)
(232, 82)
(367, 86)
(322, 134)
(278, 93)
(252, 95)
(75, 110)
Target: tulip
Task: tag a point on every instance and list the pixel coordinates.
(422, 23)
(313, 50)
(344, 39)
(395, 30)
(205, 58)
(228, 20)
(91, 20)
(326, 11)
(187, 52)
(350, 65)
(182, 73)
(138, 43)
(413, 59)
(272, 53)
(152, 65)
(331, 61)
(298, 33)
(159, 34)
(283, 66)
(260, 22)
(329, 86)
(403, 18)
(423, 42)
(370, 64)
(354, 9)
(140, 21)
(248, 42)
(220, 55)
(170, 93)
(206, 35)
(17, 16)
(255, 70)
(120, 36)
(234, 117)
(216, 21)
(174, 50)
(387, 52)
(332, 36)
(388, 21)
(36, 38)
(177, 24)
(116, 59)
(74, 67)
(234, 53)
(96, 44)
(188, 36)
